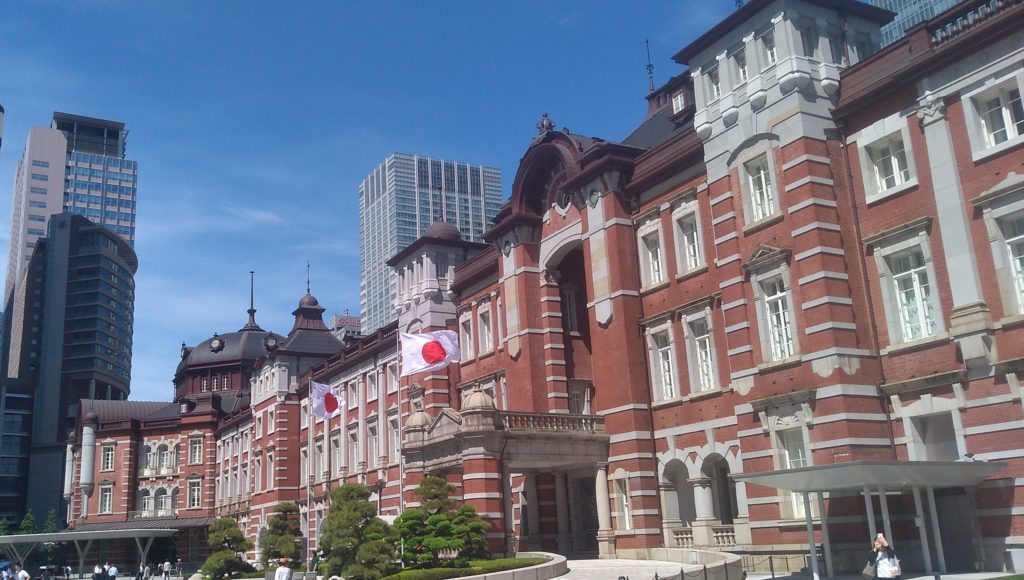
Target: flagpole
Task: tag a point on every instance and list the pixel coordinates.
(401, 428)
(309, 495)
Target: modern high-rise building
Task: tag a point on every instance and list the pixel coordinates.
(398, 201)
(72, 342)
(76, 163)
(908, 14)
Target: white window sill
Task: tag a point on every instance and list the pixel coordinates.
(919, 343)
(698, 395)
(1009, 321)
(692, 273)
(768, 366)
(997, 149)
(909, 184)
(667, 402)
(763, 223)
(644, 290)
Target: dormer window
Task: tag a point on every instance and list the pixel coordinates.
(740, 58)
(715, 82)
(678, 102)
(768, 44)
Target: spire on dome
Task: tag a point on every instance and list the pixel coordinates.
(251, 325)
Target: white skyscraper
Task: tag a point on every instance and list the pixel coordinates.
(398, 201)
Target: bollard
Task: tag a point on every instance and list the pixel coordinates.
(771, 565)
(725, 566)
(705, 572)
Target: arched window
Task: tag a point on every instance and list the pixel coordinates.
(144, 501)
(144, 457)
(163, 456)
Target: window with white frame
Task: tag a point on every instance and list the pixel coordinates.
(203, 386)
(485, 330)
(271, 425)
(652, 265)
(195, 493)
(257, 475)
(354, 456)
(372, 450)
(768, 46)
(352, 394)
(304, 414)
(761, 195)
(1001, 114)
(371, 386)
(466, 335)
(700, 349)
(689, 254)
(336, 451)
(886, 157)
(107, 458)
(777, 318)
(740, 60)
(259, 425)
(106, 499)
(271, 472)
(394, 439)
(393, 377)
(678, 101)
(663, 366)
(715, 83)
(907, 282)
(889, 160)
(913, 291)
(1013, 233)
(195, 450)
(622, 504)
(304, 467)
(792, 450)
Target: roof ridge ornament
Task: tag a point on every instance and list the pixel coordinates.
(545, 124)
(251, 324)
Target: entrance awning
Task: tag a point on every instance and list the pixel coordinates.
(870, 477)
(22, 545)
(887, 474)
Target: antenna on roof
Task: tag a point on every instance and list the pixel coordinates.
(650, 67)
(307, 276)
(252, 282)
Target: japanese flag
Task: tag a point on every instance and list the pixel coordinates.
(326, 402)
(429, 351)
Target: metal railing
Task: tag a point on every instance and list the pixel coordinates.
(562, 422)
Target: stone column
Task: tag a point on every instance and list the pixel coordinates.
(506, 498)
(704, 506)
(970, 322)
(562, 513)
(669, 512)
(605, 533)
(533, 541)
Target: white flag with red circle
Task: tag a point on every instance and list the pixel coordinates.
(429, 351)
(326, 402)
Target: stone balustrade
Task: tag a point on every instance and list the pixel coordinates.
(559, 422)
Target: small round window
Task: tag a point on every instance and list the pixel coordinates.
(563, 199)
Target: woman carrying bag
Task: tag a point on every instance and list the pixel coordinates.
(882, 562)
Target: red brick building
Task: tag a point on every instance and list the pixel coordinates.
(757, 280)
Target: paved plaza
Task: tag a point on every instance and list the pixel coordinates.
(613, 569)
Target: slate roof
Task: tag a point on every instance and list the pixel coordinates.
(126, 410)
(655, 130)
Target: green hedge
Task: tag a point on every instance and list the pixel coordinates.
(475, 567)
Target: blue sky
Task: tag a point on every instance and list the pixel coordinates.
(254, 122)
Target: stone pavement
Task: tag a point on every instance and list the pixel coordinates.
(614, 569)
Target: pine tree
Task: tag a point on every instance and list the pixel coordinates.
(438, 524)
(49, 527)
(283, 531)
(5, 528)
(227, 541)
(28, 524)
(357, 545)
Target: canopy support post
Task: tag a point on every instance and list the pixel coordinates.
(826, 544)
(81, 555)
(870, 509)
(810, 536)
(922, 531)
(935, 529)
(886, 524)
(144, 551)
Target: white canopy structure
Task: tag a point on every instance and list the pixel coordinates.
(868, 477)
(22, 545)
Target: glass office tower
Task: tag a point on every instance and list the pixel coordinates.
(398, 201)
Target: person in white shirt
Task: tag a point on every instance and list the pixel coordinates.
(20, 573)
(283, 572)
(167, 570)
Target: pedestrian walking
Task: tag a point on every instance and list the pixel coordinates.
(167, 570)
(283, 572)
